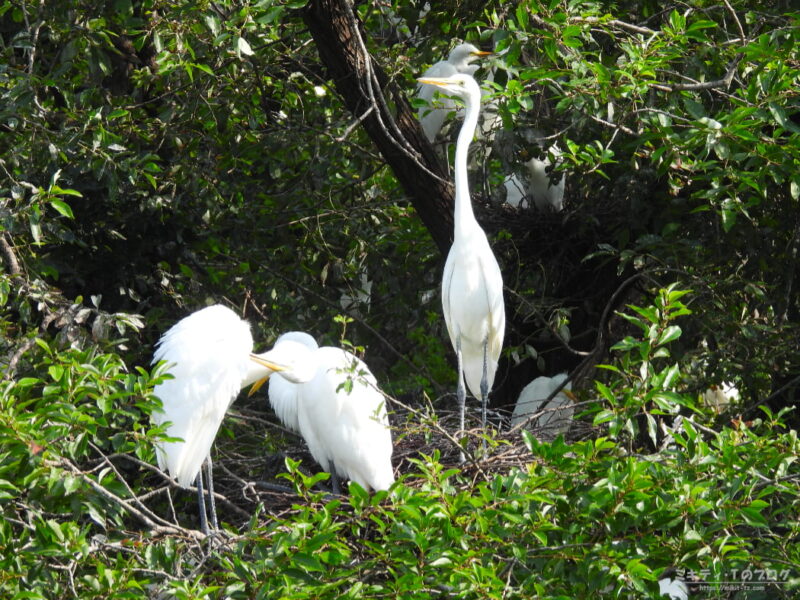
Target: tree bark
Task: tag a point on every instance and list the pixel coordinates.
(368, 94)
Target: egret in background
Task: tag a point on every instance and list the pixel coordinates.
(674, 589)
(339, 410)
(530, 182)
(720, 397)
(460, 60)
(208, 355)
(535, 186)
(472, 285)
(560, 409)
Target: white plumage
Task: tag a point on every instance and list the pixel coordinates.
(472, 284)
(553, 422)
(720, 397)
(675, 589)
(432, 117)
(531, 184)
(208, 357)
(284, 396)
(341, 414)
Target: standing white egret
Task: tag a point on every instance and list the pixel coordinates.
(533, 396)
(472, 285)
(340, 411)
(432, 116)
(208, 356)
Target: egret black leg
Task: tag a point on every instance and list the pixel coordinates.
(461, 394)
(201, 503)
(211, 501)
(484, 390)
(335, 487)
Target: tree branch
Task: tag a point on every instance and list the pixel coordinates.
(368, 94)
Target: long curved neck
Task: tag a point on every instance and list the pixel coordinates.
(464, 218)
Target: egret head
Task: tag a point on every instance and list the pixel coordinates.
(292, 357)
(462, 85)
(462, 55)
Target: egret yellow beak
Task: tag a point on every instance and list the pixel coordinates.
(273, 366)
(257, 386)
(481, 53)
(431, 81)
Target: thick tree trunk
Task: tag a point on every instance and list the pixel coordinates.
(369, 94)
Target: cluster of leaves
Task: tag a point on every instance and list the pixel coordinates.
(583, 519)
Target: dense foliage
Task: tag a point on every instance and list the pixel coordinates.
(159, 156)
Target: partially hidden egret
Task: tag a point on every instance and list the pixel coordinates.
(534, 186)
(433, 116)
(530, 182)
(208, 355)
(472, 285)
(720, 397)
(674, 589)
(558, 416)
(339, 410)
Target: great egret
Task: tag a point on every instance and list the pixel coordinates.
(720, 397)
(530, 180)
(472, 285)
(533, 396)
(459, 61)
(208, 356)
(340, 411)
(357, 296)
(535, 186)
(674, 589)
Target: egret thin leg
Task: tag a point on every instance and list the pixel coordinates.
(484, 391)
(212, 502)
(461, 394)
(201, 503)
(335, 487)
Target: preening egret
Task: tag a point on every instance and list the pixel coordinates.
(555, 421)
(472, 285)
(208, 355)
(433, 116)
(340, 411)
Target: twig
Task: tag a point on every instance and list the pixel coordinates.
(154, 517)
(67, 465)
(614, 23)
(355, 124)
(10, 257)
(742, 36)
(725, 82)
(377, 99)
(622, 128)
(433, 423)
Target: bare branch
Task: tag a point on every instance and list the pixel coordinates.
(10, 257)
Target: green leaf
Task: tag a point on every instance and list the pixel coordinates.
(62, 207)
(670, 334)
